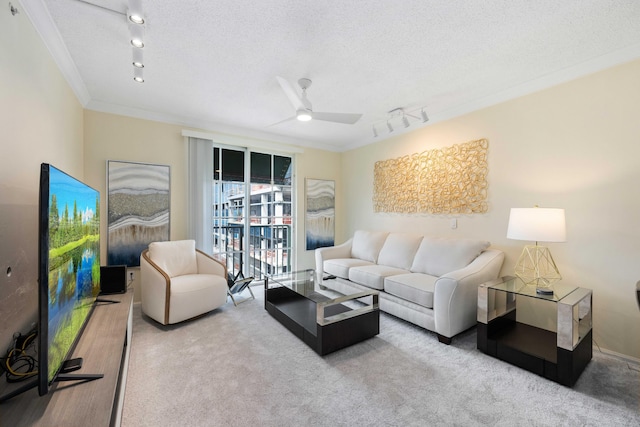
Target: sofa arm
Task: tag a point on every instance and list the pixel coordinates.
(331, 252)
(210, 265)
(455, 299)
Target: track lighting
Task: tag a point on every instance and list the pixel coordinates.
(137, 75)
(134, 13)
(137, 58)
(137, 35)
(399, 114)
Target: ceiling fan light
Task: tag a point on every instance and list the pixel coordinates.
(303, 115)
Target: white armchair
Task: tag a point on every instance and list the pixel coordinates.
(180, 282)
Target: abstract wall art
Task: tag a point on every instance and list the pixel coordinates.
(319, 213)
(138, 209)
(450, 180)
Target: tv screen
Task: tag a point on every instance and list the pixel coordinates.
(69, 267)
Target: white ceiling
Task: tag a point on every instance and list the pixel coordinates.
(212, 64)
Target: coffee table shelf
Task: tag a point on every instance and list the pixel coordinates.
(323, 323)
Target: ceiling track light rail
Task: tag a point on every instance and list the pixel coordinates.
(136, 23)
(403, 116)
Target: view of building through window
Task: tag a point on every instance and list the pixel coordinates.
(252, 224)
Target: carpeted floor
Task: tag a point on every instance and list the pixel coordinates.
(237, 366)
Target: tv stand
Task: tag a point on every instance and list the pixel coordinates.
(104, 345)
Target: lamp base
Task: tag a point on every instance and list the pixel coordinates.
(536, 266)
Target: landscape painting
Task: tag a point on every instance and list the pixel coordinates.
(320, 213)
(138, 209)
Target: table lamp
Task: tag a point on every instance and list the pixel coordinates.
(536, 265)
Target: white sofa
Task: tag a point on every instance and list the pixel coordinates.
(431, 282)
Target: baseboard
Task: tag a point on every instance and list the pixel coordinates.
(617, 355)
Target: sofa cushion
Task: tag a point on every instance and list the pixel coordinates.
(399, 249)
(372, 276)
(366, 245)
(176, 258)
(438, 256)
(414, 287)
(340, 266)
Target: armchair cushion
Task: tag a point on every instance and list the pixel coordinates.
(176, 258)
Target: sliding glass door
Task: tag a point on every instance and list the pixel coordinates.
(252, 211)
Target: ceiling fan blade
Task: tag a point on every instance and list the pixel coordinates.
(346, 118)
(282, 121)
(291, 94)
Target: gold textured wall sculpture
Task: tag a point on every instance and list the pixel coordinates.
(443, 181)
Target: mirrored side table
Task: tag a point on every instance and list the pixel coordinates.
(550, 335)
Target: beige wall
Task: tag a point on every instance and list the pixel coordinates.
(40, 121)
(574, 146)
(114, 137)
(316, 164)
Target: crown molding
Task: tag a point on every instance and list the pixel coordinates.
(38, 14)
(230, 132)
(564, 75)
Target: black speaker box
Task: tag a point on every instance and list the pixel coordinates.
(113, 279)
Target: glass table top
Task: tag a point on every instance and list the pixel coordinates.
(517, 286)
(301, 282)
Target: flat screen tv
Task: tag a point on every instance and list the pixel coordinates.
(69, 269)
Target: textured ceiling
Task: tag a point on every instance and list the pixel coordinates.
(213, 64)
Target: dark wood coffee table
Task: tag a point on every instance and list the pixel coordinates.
(323, 322)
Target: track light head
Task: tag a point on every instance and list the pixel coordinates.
(425, 119)
(137, 75)
(405, 121)
(137, 35)
(389, 126)
(375, 132)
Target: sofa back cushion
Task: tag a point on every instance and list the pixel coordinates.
(176, 258)
(366, 245)
(439, 256)
(399, 249)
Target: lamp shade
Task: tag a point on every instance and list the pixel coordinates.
(537, 225)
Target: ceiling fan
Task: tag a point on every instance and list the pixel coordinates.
(304, 112)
